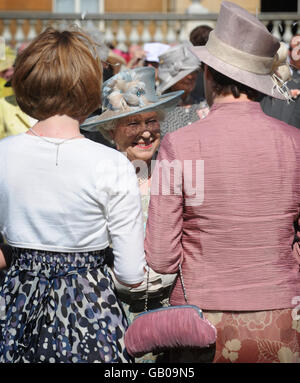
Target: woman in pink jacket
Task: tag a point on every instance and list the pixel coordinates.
(227, 188)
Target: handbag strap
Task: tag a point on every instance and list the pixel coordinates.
(182, 284)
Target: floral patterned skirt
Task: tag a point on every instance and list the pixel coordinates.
(60, 308)
(257, 337)
(250, 337)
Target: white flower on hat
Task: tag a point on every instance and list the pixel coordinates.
(280, 66)
(124, 93)
(175, 68)
(281, 71)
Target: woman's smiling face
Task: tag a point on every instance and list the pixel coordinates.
(138, 136)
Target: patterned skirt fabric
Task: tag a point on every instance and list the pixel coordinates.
(250, 337)
(60, 308)
(257, 337)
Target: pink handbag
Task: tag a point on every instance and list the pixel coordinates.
(168, 328)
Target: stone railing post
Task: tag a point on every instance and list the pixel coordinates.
(194, 9)
(123, 30)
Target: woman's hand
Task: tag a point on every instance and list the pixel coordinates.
(125, 284)
(295, 93)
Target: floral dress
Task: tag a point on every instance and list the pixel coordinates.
(271, 336)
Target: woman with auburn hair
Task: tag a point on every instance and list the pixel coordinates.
(63, 200)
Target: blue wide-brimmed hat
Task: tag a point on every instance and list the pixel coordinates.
(130, 92)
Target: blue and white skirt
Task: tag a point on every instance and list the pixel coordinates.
(60, 308)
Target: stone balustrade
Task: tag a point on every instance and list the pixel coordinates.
(123, 30)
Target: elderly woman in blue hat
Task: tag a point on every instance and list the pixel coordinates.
(131, 118)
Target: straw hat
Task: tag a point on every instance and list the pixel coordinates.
(176, 63)
(242, 48)
(129, 92)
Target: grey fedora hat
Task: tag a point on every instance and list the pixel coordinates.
(242, 48)
(130, 92)
(176, 63)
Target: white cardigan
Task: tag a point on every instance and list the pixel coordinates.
(89, 200)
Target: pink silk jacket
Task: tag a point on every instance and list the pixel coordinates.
(234, 235)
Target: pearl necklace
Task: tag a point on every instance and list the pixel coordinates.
(55, 143)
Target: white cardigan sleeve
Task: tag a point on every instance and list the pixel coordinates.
(125, 225)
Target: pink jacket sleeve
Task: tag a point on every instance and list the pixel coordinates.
(163, 246)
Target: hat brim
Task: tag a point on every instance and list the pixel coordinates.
(166, 101)
(182, 74)
(262, 83)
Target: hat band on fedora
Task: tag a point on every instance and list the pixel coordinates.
(237, 58)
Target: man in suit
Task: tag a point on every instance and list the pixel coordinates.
(290, 113)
